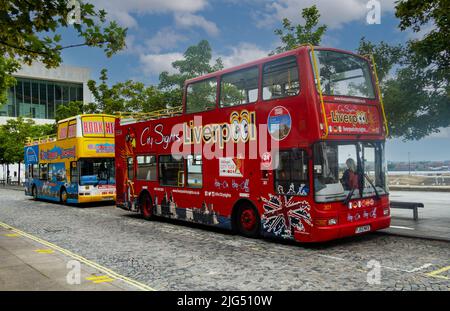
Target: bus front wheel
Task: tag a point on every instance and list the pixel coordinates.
(248, 221)
(63, 196)
(145, 204)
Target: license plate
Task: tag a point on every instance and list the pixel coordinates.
(362, 229)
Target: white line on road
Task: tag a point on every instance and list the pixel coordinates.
(331, 257)
(409, 271)
(401, 227)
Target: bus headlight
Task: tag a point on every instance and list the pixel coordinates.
(332, 221)
(386, 211)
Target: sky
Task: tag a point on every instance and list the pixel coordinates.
(159, 31)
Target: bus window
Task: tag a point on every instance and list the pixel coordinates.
(201, 95)
(171, 171)
(146, 167)
(341, 170)
(74, 176)
(97, 171)
(239, 87)
(43, 171)
(291, 175)
(35, 171)
(130, 168)
(280, 78)
(194, 171)
(343, 74)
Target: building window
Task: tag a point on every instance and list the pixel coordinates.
(291, 175)
(280, 78)
(146, 167)
(194, 171)
(171, 171)
(201, 96)
(240, 87)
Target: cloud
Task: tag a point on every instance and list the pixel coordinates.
(164, 39)
(443, 133)
(154, 64)
(242, 53)
(333, 13)
(122, 10)
(187, 20)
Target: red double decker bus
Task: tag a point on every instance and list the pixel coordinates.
(290, 146)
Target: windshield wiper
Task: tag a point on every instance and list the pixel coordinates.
(349, 197)
(377, 195)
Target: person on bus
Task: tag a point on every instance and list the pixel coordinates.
(102, 172)
(350, 176)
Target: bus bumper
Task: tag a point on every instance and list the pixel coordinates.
(96, 198)
(327, 233)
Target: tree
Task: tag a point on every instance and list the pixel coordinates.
(196, 62)
(416, 95)
(13, 136)
(386, 56)
(29, 32)
(128, 96)
(69, 110)
(293, 36)
(432, 52)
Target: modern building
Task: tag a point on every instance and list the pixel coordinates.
(39, 91)
(37, 94)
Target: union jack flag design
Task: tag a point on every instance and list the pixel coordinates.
(283, 214)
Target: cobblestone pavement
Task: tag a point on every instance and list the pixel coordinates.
(168, 255)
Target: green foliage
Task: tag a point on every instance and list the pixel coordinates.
(29, 32)
(415, 78)
(196, 62)
(69, 110)
(7, 67)
(386, 56)
(128, 96)
(293, 36)
(413, 111)
(13, 136)
(433, 50)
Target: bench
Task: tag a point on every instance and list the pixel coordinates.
(408, 205)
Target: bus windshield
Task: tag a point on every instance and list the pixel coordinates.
(349, 170)
(97, 171)
(343, 74)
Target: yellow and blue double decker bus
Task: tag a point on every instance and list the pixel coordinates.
(76, 165)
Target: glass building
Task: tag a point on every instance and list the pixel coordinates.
(38, 99)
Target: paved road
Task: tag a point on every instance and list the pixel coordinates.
(168, 256)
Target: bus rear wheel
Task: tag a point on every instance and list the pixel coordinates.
(63, 196)
(34, 192)
(248, 221)
(145, 204)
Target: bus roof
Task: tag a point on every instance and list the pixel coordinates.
(87, 115)
(263, 60)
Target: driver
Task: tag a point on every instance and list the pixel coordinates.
(350, 177)
(102, 172)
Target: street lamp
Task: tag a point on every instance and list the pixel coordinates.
(409, 163)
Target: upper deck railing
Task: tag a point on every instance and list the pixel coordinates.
(40, 140)
(130, 117)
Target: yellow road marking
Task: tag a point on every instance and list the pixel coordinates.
(436, 273)
(12, 235)
(87, 262)
(44, 251)
(99, 279)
